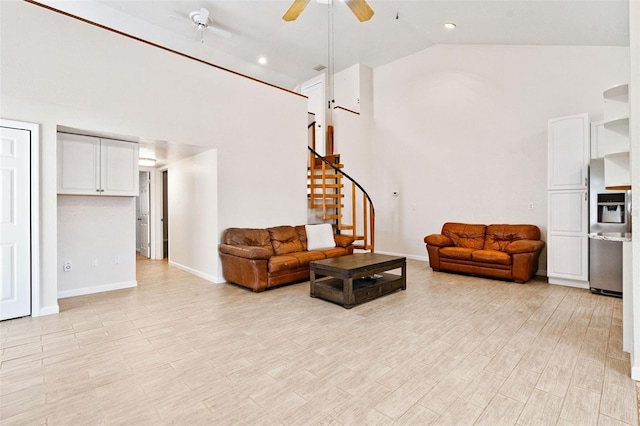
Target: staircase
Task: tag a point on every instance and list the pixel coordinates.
(331, 201)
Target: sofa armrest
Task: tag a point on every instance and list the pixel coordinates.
(524, 246)
(247, 252)
(438, 240)
(343, 240)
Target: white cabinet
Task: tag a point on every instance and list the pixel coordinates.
(568, 152)
(89, 165)
(567, 192)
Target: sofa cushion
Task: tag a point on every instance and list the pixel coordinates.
(491, 256)
(465, 235)
(284, 239)
(498, 237)
(319, 236)
(460, 253)
(247, 252)
(304, 257)
(302, 235)
(246, 237)
(334, 252)
(284, 262)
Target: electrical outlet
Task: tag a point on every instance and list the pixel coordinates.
(94, 261)
(116, 260)
(66, 266)
(532, 206)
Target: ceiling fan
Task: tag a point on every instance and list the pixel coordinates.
(360, 9)
(201, 19)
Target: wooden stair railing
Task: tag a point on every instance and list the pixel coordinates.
(325, 192)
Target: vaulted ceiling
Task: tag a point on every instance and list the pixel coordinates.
(293, 49)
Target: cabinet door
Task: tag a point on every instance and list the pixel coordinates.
(567, 259)
(568, 212)
(119, 168)
(568, 152)
(567, 242)
(78, 164)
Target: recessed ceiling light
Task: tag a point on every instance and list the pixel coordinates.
(449, 25)
(262, 60)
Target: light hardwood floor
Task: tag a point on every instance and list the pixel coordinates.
(449, 350)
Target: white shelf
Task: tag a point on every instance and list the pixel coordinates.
(622, 122)
(617, 174)
(616, 91)
(616, 102)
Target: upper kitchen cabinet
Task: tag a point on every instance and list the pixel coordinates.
(90, 165)
(568, 155)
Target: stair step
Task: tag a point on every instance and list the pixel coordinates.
(331, 216)
(320, 205)
(321, 195)
(328, 168)
(328, 206)
(319, 176)
(327, 185)
(333, 158)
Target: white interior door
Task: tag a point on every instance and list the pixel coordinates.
(143, 215)
(15, 223)
(316, 95)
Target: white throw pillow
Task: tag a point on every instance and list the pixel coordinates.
(319, 236)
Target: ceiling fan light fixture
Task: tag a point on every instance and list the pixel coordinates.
(200, 18)
(449, 25)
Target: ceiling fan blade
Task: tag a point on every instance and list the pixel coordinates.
(295, 10)
(361, 9)
(204, 16)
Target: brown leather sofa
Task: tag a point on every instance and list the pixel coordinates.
(509, 252)
(265, 258)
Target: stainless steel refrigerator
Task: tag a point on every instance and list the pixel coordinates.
(609, 218)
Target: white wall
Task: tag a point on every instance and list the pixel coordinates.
(634, 133)
(55, 70)
(193, 219)
(97, 227)
(460, 132)
(346, 87)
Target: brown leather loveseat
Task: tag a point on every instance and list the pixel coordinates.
(264, 258)
(499, 251)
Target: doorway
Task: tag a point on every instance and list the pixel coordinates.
(143, 215)
(314, 90)
(165, 214)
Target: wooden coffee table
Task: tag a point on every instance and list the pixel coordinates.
(357, 278)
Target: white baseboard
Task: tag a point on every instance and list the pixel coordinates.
(408, 256)
(47, 310)
(635, 373)
(210, 278)
(97, 289)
